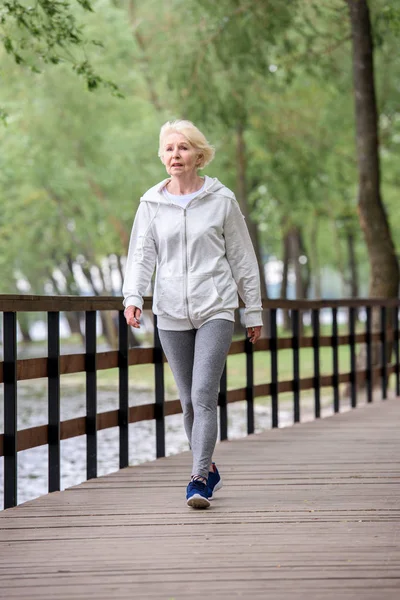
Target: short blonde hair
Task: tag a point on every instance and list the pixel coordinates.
(194, 136)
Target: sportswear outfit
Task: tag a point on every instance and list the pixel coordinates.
(203, 255)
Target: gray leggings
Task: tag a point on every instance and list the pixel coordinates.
(197, 358)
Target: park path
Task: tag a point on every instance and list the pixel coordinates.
(307, 512)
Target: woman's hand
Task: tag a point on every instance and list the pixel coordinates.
(253, 333)
(132, 316)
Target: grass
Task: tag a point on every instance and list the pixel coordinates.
(142, 376)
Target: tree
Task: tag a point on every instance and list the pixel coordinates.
(48, 33)
(385, 275)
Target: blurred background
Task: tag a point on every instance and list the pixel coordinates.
(271, 85)
(306, 134)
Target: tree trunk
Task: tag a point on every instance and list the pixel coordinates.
(384, 265)
(73, 318)
(295, 246)
(285, 276)
(24, 326)
(121, 270)
(373, 219)
(314, 255)
(241, 194)
(340, 263)
(353, 270)
(306, 270)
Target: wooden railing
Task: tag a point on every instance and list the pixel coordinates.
(54, 365)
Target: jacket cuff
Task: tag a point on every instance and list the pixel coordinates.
(253, 319)
(133, 301)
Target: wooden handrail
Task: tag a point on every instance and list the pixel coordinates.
(29, 303)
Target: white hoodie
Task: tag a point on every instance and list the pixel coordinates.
(203, 254)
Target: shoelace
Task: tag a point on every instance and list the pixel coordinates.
(199, 478)
(197, 485)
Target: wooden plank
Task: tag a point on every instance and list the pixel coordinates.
(307, 512)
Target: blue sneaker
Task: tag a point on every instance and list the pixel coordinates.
(214, 482)
(196, 495)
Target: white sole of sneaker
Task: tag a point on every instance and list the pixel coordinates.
(216, 488)
(197, 501)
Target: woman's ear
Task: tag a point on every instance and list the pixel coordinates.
(199, 158)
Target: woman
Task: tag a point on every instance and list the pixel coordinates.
(192, 230)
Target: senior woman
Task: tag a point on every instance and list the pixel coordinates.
(191, 230)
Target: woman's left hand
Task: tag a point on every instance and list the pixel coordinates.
(253, 333)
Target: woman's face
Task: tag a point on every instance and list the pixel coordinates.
(179, 156)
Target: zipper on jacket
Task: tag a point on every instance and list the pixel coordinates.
(186, 278)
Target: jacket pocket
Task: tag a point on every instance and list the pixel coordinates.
(169, 297)
(203, 296)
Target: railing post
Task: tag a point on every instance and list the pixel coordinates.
(248, 348)
(296, 364)
(91, 395)
(274, 366)
(123, 374)
(396, 347)
(223, 409)
(159, 392)
(383, 353)
(10, 408)
(353, 366)
(335, 361)
(53, 374)
(316, 346)
(368, 341)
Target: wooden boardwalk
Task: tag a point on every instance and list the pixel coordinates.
(307, 512)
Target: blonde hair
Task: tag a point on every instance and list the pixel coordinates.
(194, 136)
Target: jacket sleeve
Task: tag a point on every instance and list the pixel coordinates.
(141, 260)
(243, 262)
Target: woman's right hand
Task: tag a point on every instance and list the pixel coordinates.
(132, 316)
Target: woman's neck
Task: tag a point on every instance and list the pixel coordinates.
(185, 185)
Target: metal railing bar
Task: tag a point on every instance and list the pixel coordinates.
(274, 367)
(10, 408)
(91, 395)
(369, 354)
(316, 360)
(222, 403)
(53, 370)
(396, 348)
(383, 351)
(159, 393)
(296, 364)
(123, 382)
(353, 365)
(249, 385)
(335, 361)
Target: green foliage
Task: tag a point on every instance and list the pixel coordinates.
(75, 164)
(48, 32)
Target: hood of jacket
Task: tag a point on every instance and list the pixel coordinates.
(212, 186)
